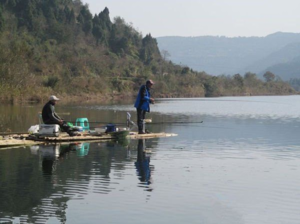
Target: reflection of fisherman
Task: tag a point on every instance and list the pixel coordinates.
(142, 104)
(51, 154)
(48, 165)
(50, 117)
(143, 163)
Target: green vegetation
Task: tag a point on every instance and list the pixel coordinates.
(59, 47)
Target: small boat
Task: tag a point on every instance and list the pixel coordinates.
(119, 134)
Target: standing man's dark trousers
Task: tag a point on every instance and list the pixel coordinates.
(140, 119)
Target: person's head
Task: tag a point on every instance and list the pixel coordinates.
(149, 83)
(53, 99)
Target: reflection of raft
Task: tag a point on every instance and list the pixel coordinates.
(23, 140)
(63, 137)
(16, 142)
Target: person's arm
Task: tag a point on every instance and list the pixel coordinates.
(146, 97)
(54, 117)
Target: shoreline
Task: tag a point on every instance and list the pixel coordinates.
(109, 98)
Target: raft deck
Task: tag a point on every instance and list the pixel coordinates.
(24, 140)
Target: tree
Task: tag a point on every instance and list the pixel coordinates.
(238, 80)
(250, 76)
(269, 76)
(149, 49)
(85, 18)
(71, 18)
(1, 20)
(210, 86)
(185, 70)
(251, 80)
(105, 19)
(165, 54)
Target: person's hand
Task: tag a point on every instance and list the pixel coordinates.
(152, 100)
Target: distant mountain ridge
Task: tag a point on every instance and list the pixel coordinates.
(288, 70)
(222, 55)
(284, 55)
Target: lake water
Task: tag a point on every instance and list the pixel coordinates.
(240, 166)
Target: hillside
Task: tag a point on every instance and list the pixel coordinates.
(223, 55)
(284, 56)
(58, 47)
(288, 70)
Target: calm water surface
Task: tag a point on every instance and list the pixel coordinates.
(241, 165)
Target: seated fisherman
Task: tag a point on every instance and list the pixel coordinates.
(50, 117)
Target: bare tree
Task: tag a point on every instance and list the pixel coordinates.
(165, 54)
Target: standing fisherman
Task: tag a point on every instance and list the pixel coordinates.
(142, 104)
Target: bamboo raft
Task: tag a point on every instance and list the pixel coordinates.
(26, 139)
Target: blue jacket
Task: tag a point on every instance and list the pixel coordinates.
(143, 99)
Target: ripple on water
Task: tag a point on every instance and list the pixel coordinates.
(257, 180)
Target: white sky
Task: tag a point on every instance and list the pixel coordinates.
(229, 18)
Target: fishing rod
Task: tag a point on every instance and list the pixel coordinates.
(163, 122)
(95, 122)
(176, 122)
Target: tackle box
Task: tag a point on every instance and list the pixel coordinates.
(49, 130)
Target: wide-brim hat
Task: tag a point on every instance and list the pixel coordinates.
(53, 98)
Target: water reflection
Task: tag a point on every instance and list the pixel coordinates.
(82, 149)
(38, 182)
(51, 154)
(143, 163)
(48, 166)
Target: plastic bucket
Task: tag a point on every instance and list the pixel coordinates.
(110, 128)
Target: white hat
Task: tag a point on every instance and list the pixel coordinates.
(150, 82)
(53, 98)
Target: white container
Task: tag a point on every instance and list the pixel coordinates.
(100, 130)
(49, 130)
(34, 129)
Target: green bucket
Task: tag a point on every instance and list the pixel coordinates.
(70, 124)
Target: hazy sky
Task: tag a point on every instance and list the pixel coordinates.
(205, 17)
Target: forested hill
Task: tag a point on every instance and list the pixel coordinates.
(58, 47)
